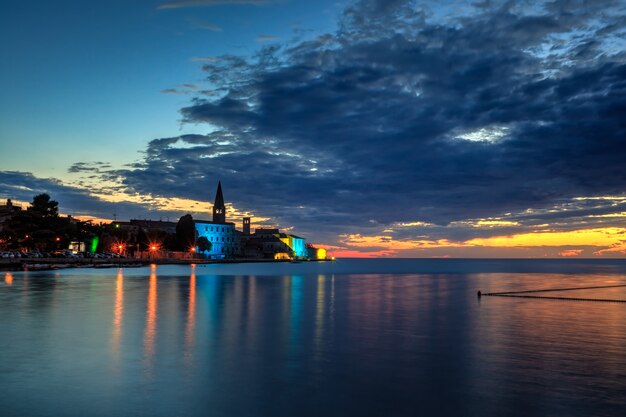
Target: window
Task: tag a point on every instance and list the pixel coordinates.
(211, 228)
(206, 228)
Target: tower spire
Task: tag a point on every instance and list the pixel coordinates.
(219, 209)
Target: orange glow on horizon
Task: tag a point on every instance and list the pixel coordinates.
(570, 252)
(599, 241)
(349, 253)
(586, 237)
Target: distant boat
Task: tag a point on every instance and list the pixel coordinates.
(37, 267)
(104, 265)
(135, 265)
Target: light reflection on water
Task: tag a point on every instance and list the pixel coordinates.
(151, 321)
(185, 341)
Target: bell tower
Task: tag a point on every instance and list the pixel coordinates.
(219, 210)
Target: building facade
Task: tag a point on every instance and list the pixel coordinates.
(224, 240)
(7, 211)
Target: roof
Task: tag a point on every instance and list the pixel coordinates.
(219, 197)
(212, 222)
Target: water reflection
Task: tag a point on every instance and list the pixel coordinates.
(151, 320)
(118, 313)
(191, 318)
(320, 303)
(295, 322)
(307, 345)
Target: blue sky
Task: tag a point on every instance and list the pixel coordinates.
(377, 127)
(85, 80)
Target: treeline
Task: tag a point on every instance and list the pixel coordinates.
(40, 228)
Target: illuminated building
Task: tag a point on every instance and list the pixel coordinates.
(315, 253)
(224, 240)
(272, 244)
(295, 243)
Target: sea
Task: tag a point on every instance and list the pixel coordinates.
(353, 337)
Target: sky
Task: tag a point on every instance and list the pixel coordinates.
(374, 128)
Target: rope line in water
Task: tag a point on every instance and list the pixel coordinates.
(557, 289)
(519, 294)
(604, 300)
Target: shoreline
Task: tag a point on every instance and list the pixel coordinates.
(41, 264)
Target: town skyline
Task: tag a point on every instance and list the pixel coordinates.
(374, 128)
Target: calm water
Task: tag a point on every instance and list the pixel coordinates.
(350, 338)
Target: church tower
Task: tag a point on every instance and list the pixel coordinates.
(219, 210)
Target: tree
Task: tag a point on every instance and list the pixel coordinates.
(41, 227)
(142, 240)
(204, 244)
(44, 206)
(185, 232)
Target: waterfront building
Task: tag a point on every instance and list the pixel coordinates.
(225, 240)
(228, 242)
(272, 244)
(315, 253)
(147, 226)
(7, 211)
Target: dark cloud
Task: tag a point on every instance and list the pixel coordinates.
(368, 123)
(95, 167)
(413, 112)
(77, 201)
(179, 4)
(266, 38)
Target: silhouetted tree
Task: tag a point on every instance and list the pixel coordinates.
(142, 240)
(44, 206)
(204, 244)
(185, 232)
(41, 227)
